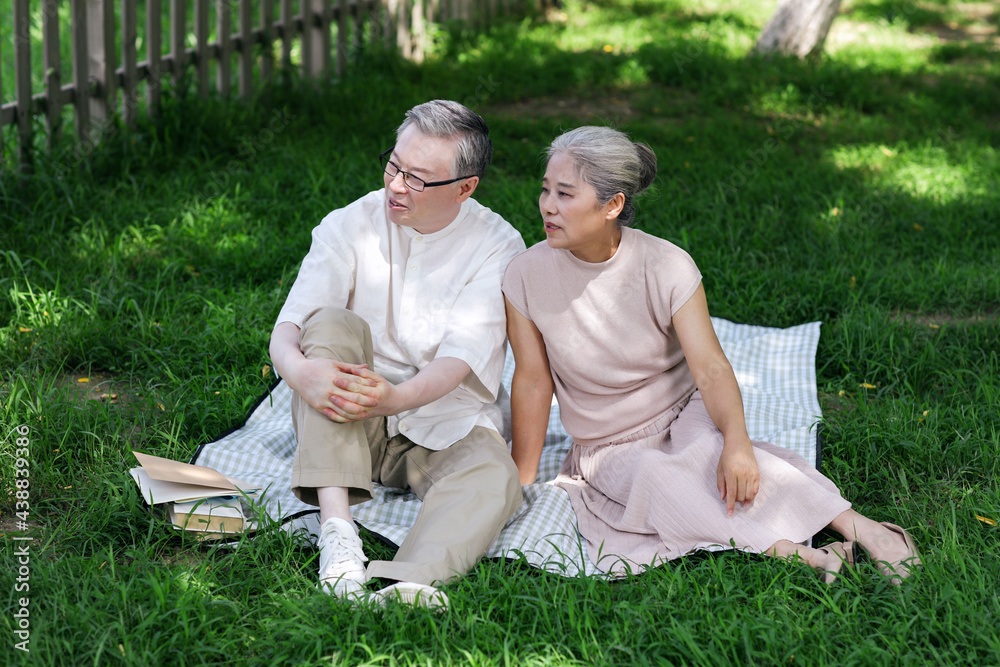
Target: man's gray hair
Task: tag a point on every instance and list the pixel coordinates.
(446, 119)
(610, 162)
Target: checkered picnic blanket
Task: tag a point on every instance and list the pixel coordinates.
(775, 369)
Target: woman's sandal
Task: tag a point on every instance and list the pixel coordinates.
(846, 552)
(900, 569)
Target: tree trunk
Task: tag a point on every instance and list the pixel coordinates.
(798, 27)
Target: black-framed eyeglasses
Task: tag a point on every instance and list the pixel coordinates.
(415, 183)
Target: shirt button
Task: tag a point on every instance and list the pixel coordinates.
(403, 426)
(413, 267)
(419, 238)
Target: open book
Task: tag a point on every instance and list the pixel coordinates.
(197, 499)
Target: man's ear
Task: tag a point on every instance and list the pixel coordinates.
(466, 188)
(615, 206)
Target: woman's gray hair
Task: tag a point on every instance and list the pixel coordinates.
(610, 162)
(446, 119)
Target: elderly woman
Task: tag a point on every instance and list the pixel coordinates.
(616, 323)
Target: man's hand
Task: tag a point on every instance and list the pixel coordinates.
(351, 392)
(737, 475)
(367, 394)
(337, 389)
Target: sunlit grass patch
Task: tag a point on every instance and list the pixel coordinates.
(939, 169)
(857, 189)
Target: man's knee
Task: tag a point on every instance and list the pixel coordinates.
(327, 330)
(336, 319)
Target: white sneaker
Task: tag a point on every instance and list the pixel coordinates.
(341, 559)
(417, 595)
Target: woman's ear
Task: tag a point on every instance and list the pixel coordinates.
(615, 206)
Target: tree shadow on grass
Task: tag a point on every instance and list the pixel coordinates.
(946, 20)
(904, 158)
(677, 13)
(783, 177)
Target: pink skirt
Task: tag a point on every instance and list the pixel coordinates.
(652, 496)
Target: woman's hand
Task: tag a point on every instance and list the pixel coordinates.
(737, 475)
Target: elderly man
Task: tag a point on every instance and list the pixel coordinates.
(392, 338)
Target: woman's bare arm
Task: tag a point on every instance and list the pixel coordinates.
(530, 395)
(737, 475)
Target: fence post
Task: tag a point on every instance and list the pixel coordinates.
(389, 27)
(245, 56)
(287, 22)
(22, 79)
(178, 31)
(314, 61)
(154, 44)
(1, 113)
(432, 10)
(130, 79)
(357, 29)
(224, 68)
(52, 64)
(306, 37)
(342, 12)
(430, 16)
(101, 50)
(267, 27)
(321, 42)
(404, 39)
(201, 45)
(419, 31)
(81, 85)
(376, 22)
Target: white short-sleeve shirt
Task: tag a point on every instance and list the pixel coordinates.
(424, 296)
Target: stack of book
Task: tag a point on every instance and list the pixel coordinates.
(198, 500)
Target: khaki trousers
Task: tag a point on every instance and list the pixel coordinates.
(469, 490)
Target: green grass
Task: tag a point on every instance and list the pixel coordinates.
(859, 190)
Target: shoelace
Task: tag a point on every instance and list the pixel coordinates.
(336, 547)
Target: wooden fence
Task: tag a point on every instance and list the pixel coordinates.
(325, 33)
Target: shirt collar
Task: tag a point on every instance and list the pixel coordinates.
(463, 215)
